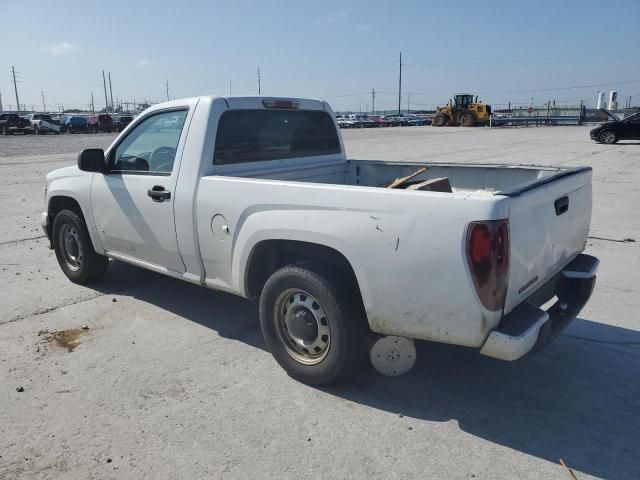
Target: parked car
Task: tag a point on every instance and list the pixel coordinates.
(414, 120)
(120, 122)
(335, 259)
(379, 120)
(74, 123)
(344, 122)
(349, 121)
(397, 121)
(43, 123)
(610, 132)
(100, 123)
(365, 121)
(11, 123)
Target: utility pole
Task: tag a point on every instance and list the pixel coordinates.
(409, 103)
(15, 87)
(44, 105)
(373, 100)
(1, 108)
(400, 85)
(111, 92)
(93, 108)
(166, 86)
(259, 86)
(106, 100)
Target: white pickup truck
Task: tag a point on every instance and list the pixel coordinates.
(255, 196)
(43, 123)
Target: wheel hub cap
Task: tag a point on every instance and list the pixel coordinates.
(71, 247)
(302, 326)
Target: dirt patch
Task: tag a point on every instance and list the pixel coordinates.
(68, 339)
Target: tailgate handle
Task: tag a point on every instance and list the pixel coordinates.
(562, 205)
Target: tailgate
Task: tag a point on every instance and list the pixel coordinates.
(548, 227)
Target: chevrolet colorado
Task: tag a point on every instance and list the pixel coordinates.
(255, 196)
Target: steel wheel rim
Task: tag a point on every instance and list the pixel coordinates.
(71, 247)
(294, 307)
(608, 137)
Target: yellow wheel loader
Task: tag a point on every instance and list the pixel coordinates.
(462, 110)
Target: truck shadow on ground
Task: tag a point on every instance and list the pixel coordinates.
(578, 400)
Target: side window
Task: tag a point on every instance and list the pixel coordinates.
(151, 145)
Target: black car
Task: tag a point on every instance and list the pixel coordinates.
(611, 132)
(120, 122)
(11, 123)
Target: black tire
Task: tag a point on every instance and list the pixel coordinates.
(440, 120)
(608, 137)
(5, 130)
(36, 130)
(87, 265)
(468, 120)
(342, 319)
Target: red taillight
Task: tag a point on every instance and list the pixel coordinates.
(281, 104)
(488, 258)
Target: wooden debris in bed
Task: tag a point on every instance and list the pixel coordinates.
(441, 184)
(399, 181)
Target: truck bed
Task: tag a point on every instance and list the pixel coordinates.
(478, 179)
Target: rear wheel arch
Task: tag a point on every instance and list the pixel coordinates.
(268, 256)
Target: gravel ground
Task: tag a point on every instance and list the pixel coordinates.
(143, 376)
(28, 145)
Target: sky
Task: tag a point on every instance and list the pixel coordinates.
(504, 51)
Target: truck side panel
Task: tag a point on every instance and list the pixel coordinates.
(418, 249)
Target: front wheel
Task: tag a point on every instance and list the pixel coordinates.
(440, 120)
(74, 251)
(313, 333)
(608, 137)
(468, 120)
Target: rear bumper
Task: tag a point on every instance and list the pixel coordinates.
(528, 327)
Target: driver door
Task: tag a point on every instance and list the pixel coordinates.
(133, 202)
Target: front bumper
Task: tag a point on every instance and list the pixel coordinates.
(529, 328)
(45, 226)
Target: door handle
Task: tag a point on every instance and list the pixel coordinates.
(158, 193)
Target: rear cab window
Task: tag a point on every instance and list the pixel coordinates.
(259, 135)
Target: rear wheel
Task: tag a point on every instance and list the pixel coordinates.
(440, 120)
(468, 120)
(74, 251)
(313, 331)
(608, 137)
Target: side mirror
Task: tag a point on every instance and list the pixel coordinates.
(92, 160)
